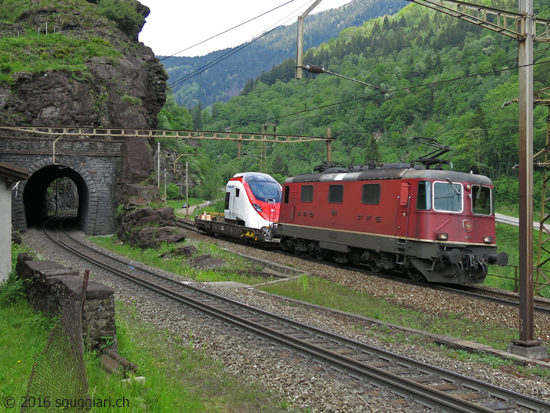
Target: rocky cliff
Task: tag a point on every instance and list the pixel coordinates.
(82, 66)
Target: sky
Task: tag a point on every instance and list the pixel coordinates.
(174, 27)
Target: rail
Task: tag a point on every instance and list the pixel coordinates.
(427, 385)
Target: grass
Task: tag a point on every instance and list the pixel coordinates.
(234, 269)
(178, 377)
(319, 291)
(24, 334)
(322, 292)
(33, 51)
(507, 237)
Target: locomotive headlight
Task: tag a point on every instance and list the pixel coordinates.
(468, 187)
(488, 240)
(257, 207)
(442, 236)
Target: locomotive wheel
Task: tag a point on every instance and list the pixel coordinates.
(415, 275)
(285, 245)
(375, 268)
(321, 254)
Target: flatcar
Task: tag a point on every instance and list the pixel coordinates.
(251, 212)
(430, 224)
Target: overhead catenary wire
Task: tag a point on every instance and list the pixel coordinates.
(227, 31)
(409, 88)
(236, 49)
(219, 34)
(219, 59)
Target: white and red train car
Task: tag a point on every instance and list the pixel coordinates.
(437, 225)
(252, 204)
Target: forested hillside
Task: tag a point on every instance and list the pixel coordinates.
(202, 79)
(438, 77)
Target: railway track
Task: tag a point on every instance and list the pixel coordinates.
(500, 297)
(405, 378)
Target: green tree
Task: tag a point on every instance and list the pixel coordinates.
(196, 115)
(372, 152)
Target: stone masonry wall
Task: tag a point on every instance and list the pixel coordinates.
(98, 163)
(48, 285)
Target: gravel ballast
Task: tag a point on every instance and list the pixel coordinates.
(306, 384)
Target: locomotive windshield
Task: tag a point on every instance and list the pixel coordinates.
(481, 200)
(264, 189)
(447, 196)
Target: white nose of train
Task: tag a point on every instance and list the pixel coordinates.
(252, 199)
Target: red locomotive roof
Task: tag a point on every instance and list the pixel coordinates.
(390, 172)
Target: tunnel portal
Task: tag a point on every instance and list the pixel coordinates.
(43, 188)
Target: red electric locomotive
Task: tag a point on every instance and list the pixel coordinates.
(437, 225)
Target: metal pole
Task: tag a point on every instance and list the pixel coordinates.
(329, 145)
(299, 48)
(186, 189)
(158, 165)
(525, 62)
(300, 39)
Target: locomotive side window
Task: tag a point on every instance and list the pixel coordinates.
(306, 195)
(227, 196)
(424, 200)
(335, 194)
(237, 192)
(287, 194)
(447, 196)
(481, 200)
(371, 194)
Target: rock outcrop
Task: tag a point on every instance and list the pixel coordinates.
(119, 83)
(87, 69)
(149, 227)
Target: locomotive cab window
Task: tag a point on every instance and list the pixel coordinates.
(306, 195)
(264, 189)
(424, 198)
(481, 200)
(335, 194)
(371, 194)
(447, 196)
(287, 194)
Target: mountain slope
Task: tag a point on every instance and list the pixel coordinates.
(435, 76)
(225, 80)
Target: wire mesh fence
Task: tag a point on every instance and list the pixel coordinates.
(58, 377)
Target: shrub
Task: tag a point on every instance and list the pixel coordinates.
(173, 191)
(12, 290)
(124, 13)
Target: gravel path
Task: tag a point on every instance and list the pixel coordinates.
(308, 385)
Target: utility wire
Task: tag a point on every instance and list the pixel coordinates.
(236, 49)
(226, 31)
(402, 89)
(219, 59)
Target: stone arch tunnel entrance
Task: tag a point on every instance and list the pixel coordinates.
(54, 189)
(70, 169)
(86, 187)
